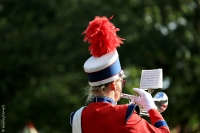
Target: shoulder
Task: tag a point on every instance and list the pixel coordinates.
(130, 110)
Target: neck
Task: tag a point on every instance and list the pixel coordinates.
(109, 94)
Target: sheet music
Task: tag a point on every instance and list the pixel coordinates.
(152, 79)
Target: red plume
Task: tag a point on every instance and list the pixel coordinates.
(102, 37)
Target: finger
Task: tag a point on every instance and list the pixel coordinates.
(140, 91)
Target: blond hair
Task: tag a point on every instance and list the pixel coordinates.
(99, 90)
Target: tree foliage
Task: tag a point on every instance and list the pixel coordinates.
(42, 55)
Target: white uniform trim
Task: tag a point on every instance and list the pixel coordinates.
(76, 123)
(95, 64)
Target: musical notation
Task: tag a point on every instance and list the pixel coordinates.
(151, 79)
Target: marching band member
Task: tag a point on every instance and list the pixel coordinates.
(106, 79)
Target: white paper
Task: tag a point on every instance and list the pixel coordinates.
(151, 79)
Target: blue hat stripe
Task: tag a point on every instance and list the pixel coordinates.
(108, 72)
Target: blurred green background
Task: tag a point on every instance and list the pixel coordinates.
(42, 55)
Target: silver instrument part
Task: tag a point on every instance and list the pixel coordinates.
(160, 99)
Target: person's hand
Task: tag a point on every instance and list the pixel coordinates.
(145, 99)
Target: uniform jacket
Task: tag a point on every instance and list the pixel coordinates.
(102, 115)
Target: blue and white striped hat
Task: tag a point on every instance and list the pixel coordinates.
(104, 69)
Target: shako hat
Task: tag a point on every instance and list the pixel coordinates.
(104, 65)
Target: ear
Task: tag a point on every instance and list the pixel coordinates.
(112, 86)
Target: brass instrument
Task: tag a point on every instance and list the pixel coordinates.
(160, 99)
